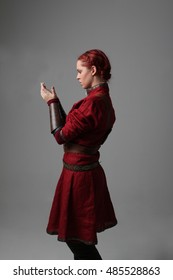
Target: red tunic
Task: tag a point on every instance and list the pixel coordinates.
(82, 206)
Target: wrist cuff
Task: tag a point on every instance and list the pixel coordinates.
(53, 100)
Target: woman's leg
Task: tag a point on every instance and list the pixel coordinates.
(83, 251)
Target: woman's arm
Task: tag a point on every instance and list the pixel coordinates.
(56, 111)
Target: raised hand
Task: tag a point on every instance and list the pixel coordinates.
(47, 94)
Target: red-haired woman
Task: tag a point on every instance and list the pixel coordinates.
(82, 206)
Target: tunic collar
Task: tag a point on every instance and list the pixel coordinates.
(89, 90)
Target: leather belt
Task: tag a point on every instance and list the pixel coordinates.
(76, 148)
(85, 167)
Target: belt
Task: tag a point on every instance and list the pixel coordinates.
(76, 148)
(86, 167)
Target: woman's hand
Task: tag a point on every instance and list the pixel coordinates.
(47, 94)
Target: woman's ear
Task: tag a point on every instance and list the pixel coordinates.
(93, 70)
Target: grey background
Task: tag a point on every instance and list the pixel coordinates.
(40, 41)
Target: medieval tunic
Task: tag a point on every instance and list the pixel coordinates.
(82, 205)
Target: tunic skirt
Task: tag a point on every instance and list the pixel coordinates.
(81, 206)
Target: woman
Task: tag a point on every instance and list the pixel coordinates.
(82, 205)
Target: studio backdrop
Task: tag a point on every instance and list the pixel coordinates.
(40, 42)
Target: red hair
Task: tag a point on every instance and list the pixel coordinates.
(99, 60)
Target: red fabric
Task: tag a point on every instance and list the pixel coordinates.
(53, 100)
(90, 120)
(82, 205)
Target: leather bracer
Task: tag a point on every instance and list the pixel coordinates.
(57, 115)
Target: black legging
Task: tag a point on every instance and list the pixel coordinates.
(83, 251)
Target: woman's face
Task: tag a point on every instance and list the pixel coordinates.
(84, 75)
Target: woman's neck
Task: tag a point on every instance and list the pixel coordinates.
(95, 86)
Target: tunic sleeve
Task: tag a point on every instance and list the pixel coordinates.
(80, 121)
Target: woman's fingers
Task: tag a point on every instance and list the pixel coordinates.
(53, 91)
(46, 93)
(43, 86)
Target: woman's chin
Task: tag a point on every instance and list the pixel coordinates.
(83, 86)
